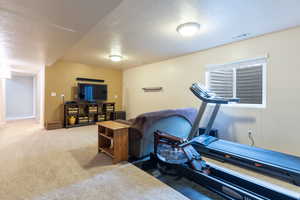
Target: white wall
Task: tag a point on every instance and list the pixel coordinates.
(2, 101)
(276, 127)
(40, 94)
(20, 97)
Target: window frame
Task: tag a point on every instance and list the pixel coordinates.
(242, 64)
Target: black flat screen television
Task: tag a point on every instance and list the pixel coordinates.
(92, 92)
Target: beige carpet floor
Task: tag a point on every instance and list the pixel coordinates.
(39, 164)
(122, 183)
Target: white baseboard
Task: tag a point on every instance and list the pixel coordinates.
(19, 118)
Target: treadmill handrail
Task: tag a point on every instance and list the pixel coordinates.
(209, 97)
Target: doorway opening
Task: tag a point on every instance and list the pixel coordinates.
(20, 94)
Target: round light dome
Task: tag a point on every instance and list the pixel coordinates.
(188, 29)
(115, 58)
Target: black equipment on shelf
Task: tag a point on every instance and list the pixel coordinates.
(90, 80)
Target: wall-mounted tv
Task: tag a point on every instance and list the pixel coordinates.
(92, 92)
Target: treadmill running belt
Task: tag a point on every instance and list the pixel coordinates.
(257, 154)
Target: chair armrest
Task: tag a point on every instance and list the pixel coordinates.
(169, 137)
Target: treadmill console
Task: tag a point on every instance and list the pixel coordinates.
(207, 96)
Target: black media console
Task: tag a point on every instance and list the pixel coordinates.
(88, 113)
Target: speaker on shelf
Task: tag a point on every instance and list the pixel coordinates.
(89, 80)
(118, 115)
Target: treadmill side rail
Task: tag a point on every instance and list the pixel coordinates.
(245, 161)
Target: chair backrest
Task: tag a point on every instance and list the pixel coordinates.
(175, 125)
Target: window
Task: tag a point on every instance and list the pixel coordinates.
(245, 80)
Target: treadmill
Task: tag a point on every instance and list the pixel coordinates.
(276, 164)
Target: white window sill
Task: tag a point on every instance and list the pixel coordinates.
(238, 105)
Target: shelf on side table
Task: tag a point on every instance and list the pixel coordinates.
(113, 140)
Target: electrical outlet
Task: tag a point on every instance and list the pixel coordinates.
(249, 132)
(251, 137)
(53, 94)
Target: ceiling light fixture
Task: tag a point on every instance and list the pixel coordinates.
(188, 29)
(115, 58)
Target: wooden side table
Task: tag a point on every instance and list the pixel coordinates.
(113, 140)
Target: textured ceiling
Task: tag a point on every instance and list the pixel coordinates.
(38, 32)
(144, 31)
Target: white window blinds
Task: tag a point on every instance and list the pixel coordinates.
(249, 84)
(221, 83)
(243, 79)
